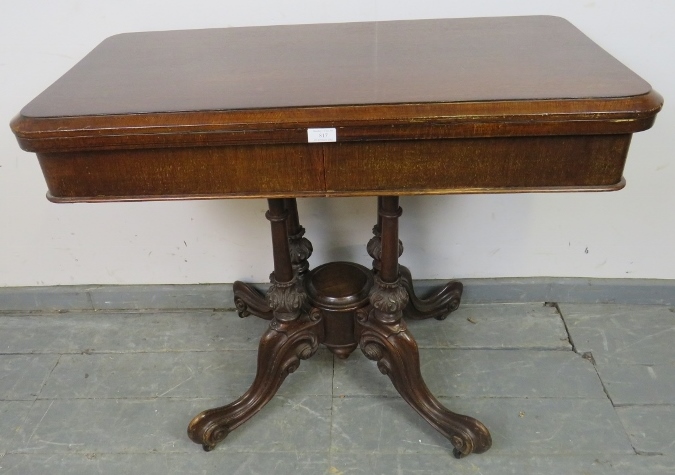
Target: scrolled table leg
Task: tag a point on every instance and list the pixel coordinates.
(281, 348)
(383, 337)
(294, 334)
(439, 304)
(394, 349)
(249, 301)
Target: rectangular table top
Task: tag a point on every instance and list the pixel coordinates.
(406, 89)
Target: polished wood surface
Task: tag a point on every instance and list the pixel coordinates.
(486, 105)
(224, 113)
(460, 60)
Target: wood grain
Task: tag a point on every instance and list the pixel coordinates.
(479, 105)
(516, 163)
(184, 172)
(373, 81)
(459, 60)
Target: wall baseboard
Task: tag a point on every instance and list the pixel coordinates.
(219, 296)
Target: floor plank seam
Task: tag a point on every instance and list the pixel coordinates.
(90, 300)
(215, 350)
(556, 306)
(332, 407)
(649, 404)
(644, 453)
(117, 311)
(588, 355)
(139, 398)
(604, 387)
(198, 451)
(495, 348)
(125, 352)
(44, 381)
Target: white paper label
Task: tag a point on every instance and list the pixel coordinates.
(321, 135)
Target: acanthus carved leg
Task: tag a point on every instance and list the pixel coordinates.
(250, 301)
(439, 304)
(393, 348)
(281, 348)
(295, 333)
(384, 338)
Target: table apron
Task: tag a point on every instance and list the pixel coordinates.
(487, 165)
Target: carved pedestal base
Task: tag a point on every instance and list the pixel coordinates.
(342, 306)
(337, 290)
(342, 318)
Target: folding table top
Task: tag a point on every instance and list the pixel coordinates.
(370, 82)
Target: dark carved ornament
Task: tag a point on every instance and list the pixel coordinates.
(286, 299)
(300, 250)
(249, 301)
(388, 299)
(374, 247)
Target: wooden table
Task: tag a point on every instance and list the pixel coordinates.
(487, 105)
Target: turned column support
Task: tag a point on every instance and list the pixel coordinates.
(374, 247)
(437, 304)
(285, 297)
(389, 212)
(388, 297)
(277, 216)
(247, 299)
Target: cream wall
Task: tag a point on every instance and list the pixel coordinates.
(623, 234)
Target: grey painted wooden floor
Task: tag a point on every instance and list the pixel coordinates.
(568, 389)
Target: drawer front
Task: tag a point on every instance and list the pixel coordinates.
(175, 173)
(476, 165)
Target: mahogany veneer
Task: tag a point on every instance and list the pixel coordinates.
(483, 105)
